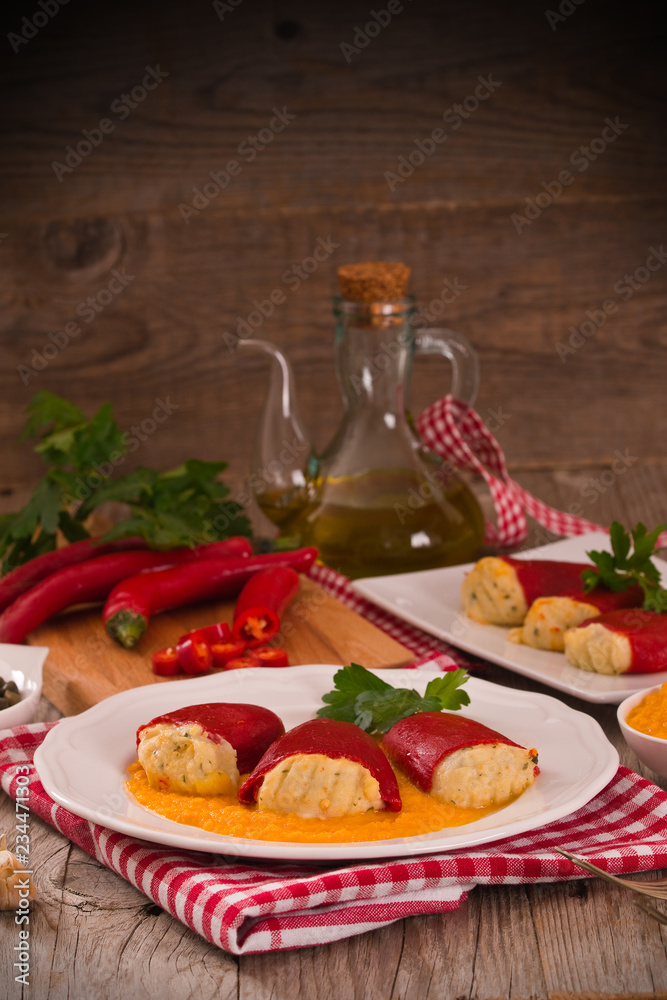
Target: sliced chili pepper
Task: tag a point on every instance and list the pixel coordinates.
(240, 663)
(223, 652)
(272, 656)
(166, 662)
(261, 603)
(220, 632)
(131, 603)
(194, 654)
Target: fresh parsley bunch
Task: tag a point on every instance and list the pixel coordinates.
(375, 706)
(183, 506)
(619, 569)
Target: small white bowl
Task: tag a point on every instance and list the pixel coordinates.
(651, 750)
(23, 665)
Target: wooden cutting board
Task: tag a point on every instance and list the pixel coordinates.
(84, 665)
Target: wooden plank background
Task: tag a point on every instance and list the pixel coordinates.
(323, 178)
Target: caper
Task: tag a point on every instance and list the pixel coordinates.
(12, 697)
(3, 703)
(11, 686)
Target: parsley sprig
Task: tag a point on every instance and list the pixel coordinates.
(182, 506)
(620, 569)
(375, 706)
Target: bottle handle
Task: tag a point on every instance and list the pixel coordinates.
(463, 356)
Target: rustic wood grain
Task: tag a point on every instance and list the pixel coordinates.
(520, 302)
(162, 337)
(85, 665)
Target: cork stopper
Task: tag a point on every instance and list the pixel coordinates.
(374, 281)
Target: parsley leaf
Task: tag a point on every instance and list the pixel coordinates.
(187, 505)
(629, 564)
(374, 705)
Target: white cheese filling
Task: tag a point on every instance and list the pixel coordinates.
(484, 775)
(598, 649)
(183, 759)
(318, 787)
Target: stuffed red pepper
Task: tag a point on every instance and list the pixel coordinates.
(203, 749)
(323, 769)
(629, 641)
(459, 760)
(544, 597)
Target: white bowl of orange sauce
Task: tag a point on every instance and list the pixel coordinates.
(643, 721)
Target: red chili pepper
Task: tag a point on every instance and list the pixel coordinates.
(166, 662)
(220, 632)
(261, 603)
(240, 663)
(93, 580)
(272, 656)
(194, 654)
(131, 604)
(223, 652)
(21, 579)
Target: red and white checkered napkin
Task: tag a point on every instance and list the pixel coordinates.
(434, 651)
(458, 434)
(256, 906)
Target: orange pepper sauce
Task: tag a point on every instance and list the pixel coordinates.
(650, 715)
(421, 813)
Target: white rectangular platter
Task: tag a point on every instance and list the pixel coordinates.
(431, 600)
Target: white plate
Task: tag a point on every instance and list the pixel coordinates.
(83, 761)
(23, 665)
(431, 600)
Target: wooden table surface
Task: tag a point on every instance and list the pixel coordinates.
(94, 935)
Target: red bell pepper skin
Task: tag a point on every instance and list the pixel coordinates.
(546, 578)
(331, 739)
(132, 603)
(250, 729)
(261, 604)
(21, 579)
(646, 631)
(92, 581)
(419, 743)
